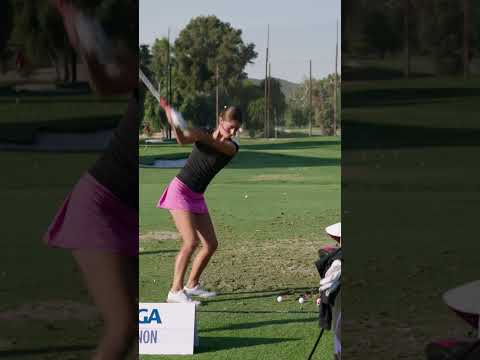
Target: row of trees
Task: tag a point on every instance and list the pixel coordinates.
(36, 29)
(446, 31)
(322, 110)
(207, 56)
(210, 55)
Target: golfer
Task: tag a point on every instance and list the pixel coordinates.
(98, 220)
(184, 198)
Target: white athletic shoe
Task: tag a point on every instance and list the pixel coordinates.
(181, 297)
(198, 291)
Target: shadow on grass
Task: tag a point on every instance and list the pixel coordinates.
(158, 252)
(249, 312)
(281, 291)
(363, 73)
(357, 135)
(24, 133)
(21, 353)
(404, 96)
(291, 145)
(212, 344)
(258, 160)
(256, 324)
(257, 296)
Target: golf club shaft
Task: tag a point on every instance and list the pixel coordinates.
(149, 85)
(316, 344)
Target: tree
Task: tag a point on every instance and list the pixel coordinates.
(242, 96)
(199, 109)
(6, 13)
(322, 103)
(40, 33)
(202, 45)
(277, 102)
(298, 117)
(255, 112)
(381, 34)
(145, 55)
(153, 115)
(160, 62)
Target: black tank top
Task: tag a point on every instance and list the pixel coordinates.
(202, 165)
(117, 167)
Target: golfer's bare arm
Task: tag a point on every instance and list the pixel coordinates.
(226, 147)
(193, 135)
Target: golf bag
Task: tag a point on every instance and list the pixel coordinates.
(329, 268)
(329, 258)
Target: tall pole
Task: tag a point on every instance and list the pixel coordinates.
(406, 34)
(216, 100)
(269, 97)
(311, 102)
(169, 130)
(335, 89)
(266, 85)
(275, 115)
(466, 37)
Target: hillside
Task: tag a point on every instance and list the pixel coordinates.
(286, 86)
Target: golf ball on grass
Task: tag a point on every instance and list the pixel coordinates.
(279, 299)
(301, 300)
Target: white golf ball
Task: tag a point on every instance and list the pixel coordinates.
(246, 196)
(279, 299)
(301, 300)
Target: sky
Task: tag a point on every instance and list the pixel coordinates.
(300, 30)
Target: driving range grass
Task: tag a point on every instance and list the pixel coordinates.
(270, 207)
(45, 311)
(407, 165)
(42, 293)
(23, 114)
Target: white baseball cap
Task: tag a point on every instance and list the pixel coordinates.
(334, 230)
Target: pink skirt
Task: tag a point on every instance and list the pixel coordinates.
(92, 217)
(178, 196)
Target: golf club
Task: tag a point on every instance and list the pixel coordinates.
(177, 117)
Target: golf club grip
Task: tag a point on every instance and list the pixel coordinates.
(149, 85)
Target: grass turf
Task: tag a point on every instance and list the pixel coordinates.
(270, 207)
(21, 116)
(31, 274)
(407, 175)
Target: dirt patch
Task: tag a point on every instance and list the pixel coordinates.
(51, 310)
(278, 177)
(281, 262)
(159, 236)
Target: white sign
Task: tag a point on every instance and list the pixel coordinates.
(166, 329)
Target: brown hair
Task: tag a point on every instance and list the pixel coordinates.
(231, 113)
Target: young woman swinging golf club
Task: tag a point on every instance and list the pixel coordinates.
(184, 197)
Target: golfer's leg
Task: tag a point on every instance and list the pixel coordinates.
(107, 278)
(185, 223)
(208, 239)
